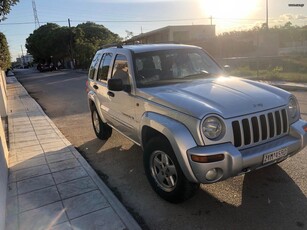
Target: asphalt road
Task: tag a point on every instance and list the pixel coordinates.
(271, 198)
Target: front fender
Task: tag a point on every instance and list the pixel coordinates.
(92, 97)
(177, 134)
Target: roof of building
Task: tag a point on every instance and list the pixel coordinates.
(166, 28)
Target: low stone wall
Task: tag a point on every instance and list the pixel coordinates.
(3, 97)
(3, 153)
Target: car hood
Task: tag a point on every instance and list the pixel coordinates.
(225, 96)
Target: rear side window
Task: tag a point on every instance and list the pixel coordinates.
(104, 67)
(94, 65)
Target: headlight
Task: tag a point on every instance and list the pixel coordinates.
(213, 128)
(293, 108)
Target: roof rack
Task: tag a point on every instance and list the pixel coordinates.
(117, 45)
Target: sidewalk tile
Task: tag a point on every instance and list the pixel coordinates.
(34, 183)
(31, 172)
(23, 144)
(76, 187)
(12, 205)
(105, 219)
(38, 198)
(45, 131)
(24, 138)
(30, 155)
(23, 128)
(49, 139)
(63, 226)
(11, 222)
(30, 149)
(28, 163)
(62, 165)
(24, 134)
(12, 189)
(59, 156)
(69, 174)
(44, 127)
(85, 203)
(53, 146)
(43, 218)
(65, 149)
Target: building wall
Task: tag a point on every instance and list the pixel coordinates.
(192, 33)
(3, 170)
(179, 34)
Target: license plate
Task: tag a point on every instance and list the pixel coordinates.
(275, 155)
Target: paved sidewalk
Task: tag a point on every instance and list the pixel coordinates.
(50, 185)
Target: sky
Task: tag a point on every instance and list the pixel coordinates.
(141, 16)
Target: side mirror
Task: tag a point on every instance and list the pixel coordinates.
(116, 84)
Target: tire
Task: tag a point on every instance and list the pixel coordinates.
(102, 130)
(164, 173)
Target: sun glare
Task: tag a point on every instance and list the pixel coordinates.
(227, 9)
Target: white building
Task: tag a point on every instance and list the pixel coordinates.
(25, 59)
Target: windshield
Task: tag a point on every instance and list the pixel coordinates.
(173, 66)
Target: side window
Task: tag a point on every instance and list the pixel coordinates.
(104, 67)
(94, 65)
(120, 68)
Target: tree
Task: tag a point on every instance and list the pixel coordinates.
(47, 41)
(5, 57)
(88, 38)
(51, 40)
(5, 7)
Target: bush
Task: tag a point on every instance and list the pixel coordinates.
(5, 57)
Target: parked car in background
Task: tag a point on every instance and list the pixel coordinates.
(46, 67)
(194, 123)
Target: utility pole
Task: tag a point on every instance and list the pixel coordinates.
(23, 57)
(70, 46)
(267, 14)
(211, 20)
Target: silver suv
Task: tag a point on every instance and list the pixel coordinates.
(194, 123)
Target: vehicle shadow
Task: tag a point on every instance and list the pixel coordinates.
(265, 199)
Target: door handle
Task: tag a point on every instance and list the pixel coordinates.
(95, 87)
(111, 94)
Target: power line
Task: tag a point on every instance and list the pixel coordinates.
(27, 23)
(136, 21)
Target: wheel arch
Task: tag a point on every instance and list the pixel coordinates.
(92, 104)
(176, 133)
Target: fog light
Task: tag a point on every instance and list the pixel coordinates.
(212, 174)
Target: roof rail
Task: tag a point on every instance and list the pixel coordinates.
(117, 45)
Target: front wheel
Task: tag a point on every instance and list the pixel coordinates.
(164, 173)
(102, 130)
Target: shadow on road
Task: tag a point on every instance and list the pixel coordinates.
(264, 199)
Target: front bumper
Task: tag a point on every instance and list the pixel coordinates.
(237, 162)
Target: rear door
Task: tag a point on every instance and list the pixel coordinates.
(101, 86)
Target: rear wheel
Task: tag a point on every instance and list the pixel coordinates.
(102, 130)
(164, 173)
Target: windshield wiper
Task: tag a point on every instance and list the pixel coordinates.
(201, 74)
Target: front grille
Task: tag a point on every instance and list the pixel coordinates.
(256, 129)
